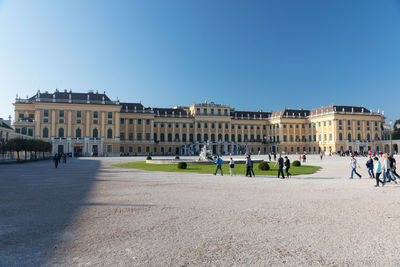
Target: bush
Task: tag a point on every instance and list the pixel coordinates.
(182, 165)
(148, 158)
(263, 166)
(296, 163)
(176, 157)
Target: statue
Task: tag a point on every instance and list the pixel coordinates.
(205, 154)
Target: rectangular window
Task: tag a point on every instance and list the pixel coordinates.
(122, 120)
(121, 149)
(109, 148)
(139, 121)
(183, 125)
(45, 120)
(147, 122)
(95, 114)
(205, 111)
(78, 121)
(122, 135)
(147, 136)
(225, 112)
(79, 114)
(219, 112)
(109, 115)
(139, 136)
(109, 122)
(61, 120)
(130, 136)
(61, 113)
(46, 113)
(21, 116)
(162, 125)
(139, 149)
(130, 149)
(130, 121)
(198, 111)
(212, 111)
(176, 125)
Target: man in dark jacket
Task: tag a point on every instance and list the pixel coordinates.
(370, 167)
(280, 162)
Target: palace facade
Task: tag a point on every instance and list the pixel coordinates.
(92, 124)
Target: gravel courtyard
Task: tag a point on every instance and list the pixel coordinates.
(88, 213)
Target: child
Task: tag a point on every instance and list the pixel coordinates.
(231, 166)
(378, 171)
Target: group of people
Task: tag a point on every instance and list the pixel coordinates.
(57, 158)
(281, 162)
(376, 168)
(249, 166)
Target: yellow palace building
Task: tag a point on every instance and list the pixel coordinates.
(93, 124)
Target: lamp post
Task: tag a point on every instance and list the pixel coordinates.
(390, 132)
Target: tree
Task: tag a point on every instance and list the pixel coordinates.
(15, 145)
(396, 130)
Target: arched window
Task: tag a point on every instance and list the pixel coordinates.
(205, 137)
(252, 138)
(184, 137)
(198, 137)
(169, 137)
(109, 133)
(95, 133)
(377, 138)
(239, 138)
(212, 137)
(176, 137)
(78, 133)
(368, 137)
(245, 138)
(61, 132)
(162, 137)
(359, 137)
(45, 132)
(349, 137)
(23, 131)
(219, 137)
(233, 138)
(340, 136)
(191, 138)
(226, 138)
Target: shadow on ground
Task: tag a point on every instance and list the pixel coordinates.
(37, 202)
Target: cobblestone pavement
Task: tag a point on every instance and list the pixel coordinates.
(88, 213)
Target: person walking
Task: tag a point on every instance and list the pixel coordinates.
(353, 165)
(274, 156)
(55, 158)
(269, 157)
(387, 169)
(65, 158)
(394, 168)
(280, 162)
(321, 155)
(287, 167)
(251, 167)
(218, 161)
(231, 167)
(304, 157)
(370, 167)
(248, 173)
(378, 171)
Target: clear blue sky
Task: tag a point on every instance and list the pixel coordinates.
(250, 54)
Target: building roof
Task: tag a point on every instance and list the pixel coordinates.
(170, 111)
(340, 108)
(299, 113)
(74, 96)
(251, 114)
(131, 107)
(5, 125)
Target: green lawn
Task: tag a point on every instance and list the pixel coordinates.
(239, 168)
